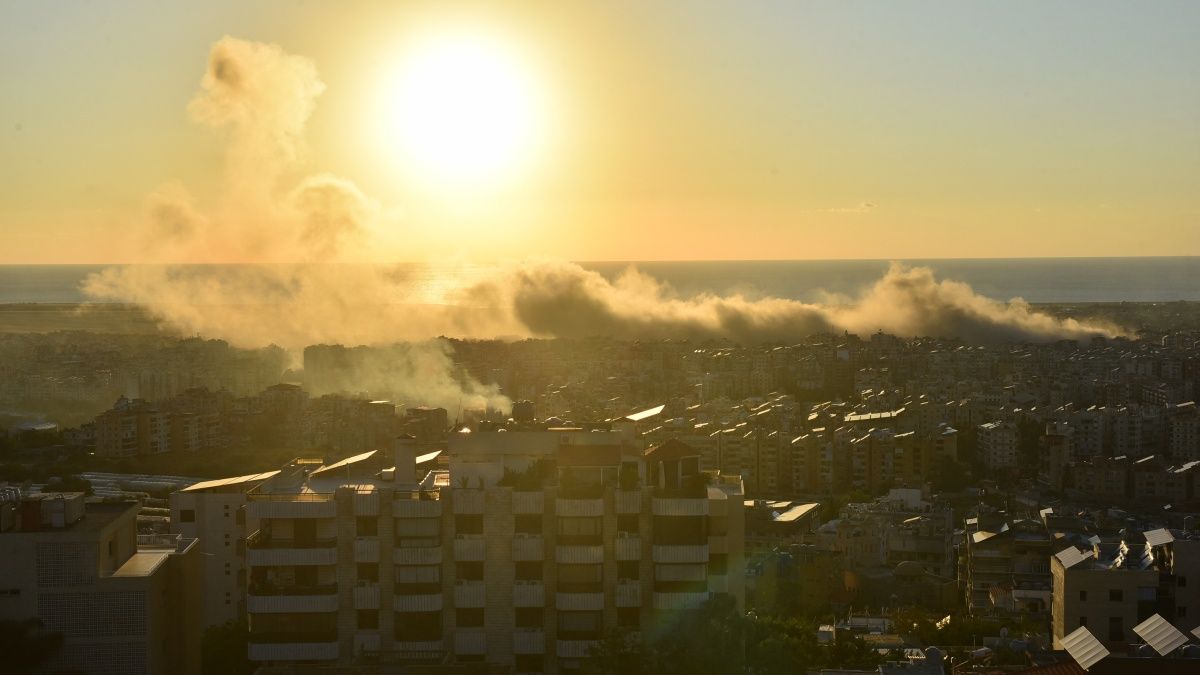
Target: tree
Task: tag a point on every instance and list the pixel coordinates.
(223, 650)
(621, 652)
(26, 645)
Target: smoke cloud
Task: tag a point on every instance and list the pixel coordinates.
(308, 230)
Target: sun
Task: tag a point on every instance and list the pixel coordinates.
(462, 110)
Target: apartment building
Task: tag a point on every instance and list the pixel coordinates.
(123, 602)
(213, 512)
(998, 445)
(1113, 587)
(1006, 564)
(536, 542)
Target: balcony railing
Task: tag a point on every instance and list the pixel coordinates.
(293, 637)
(268, 589)
(263, 540)
(529, 594)
(293, 651)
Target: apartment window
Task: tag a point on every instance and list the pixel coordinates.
(579, 530)
(1083, 596)
(629, 569)
(368, 572)
(680, 530)
(418, 626)
(718, 563)
(1116, 595)
(366, 526)
(368, 619)
(580, 578)
(529, 663)
(627, 522)
(529, 617)
(629, 617)
(187, 515)
(1116, 629)
(468, 571)
(468, 524)
(527, 524)
(471, 617)
(718, 526)
(529, 570)
(580, 625)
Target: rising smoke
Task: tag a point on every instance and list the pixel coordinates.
(260, 98)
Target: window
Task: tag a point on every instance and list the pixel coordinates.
(580, 578)
(529, 663)
(718, 563)
(368, 572)
(1116, 595)
(529, 617)
(469, 571)
(468, 524)
(529, 570)
(418, 626)
(366, 526)
(471, 617)
(1181, 582)
(629, 569)
(629, 617)
(627, 522)
(1116, 629)
(1083, 596)
(680, 530)
(527, 524)
(579, 530)
(580, 625)
(187, 515)
(368, 619)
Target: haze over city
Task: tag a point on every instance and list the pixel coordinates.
(599, 338)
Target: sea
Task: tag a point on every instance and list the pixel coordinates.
(1036, 280)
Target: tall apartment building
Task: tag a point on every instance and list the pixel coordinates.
(1113, 587)
(214, 513)
(998, 444)
(1008, 561)
(123, 603)
(535, 543)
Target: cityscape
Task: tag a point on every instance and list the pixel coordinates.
(626, 339)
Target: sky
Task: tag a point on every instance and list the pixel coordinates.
(633, 130)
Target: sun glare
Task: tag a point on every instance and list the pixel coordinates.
(462, 110)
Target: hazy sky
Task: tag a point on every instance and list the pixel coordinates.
(665, 130)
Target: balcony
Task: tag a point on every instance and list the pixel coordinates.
(366, 550)
(306, 505)
(264, 550)
(681, 554)
(529, 641)
(468, 502)
(417, 508)
(582, 554)
(269, 599)
(528, 503)
(366, 643)
(366, 596)
(528, 547)
(585, 506)
(428, 602)
(680, 506)
(579, 601)
(469, 548)
(575, 649)
(432, 651)
(628, 501)
(292, 651)
(417, 556)
(628, 546)
(470, 641)
(366, 503)
(529, 594)
(672, 601)
(470, 594)
(628, 594)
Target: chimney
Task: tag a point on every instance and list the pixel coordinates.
(405, 454)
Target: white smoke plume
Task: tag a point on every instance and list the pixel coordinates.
(261, 97)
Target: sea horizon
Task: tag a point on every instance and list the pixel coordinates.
(1033, 279)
